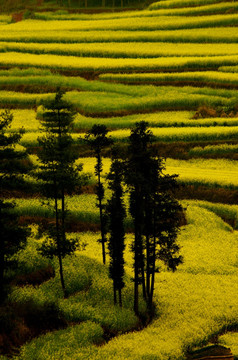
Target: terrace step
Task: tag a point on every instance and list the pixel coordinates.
(214, 352)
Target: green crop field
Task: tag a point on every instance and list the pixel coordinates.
(173, 64)
(211, 78)
(122, 50)
(201, 280)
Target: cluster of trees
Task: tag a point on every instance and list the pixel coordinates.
(97, 3)
(17, 5)
(153, 208)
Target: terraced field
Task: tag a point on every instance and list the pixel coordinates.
(175, 66)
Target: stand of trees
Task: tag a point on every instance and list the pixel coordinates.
(155, 212)
(139, 171)
(13, 165)
(21, 5)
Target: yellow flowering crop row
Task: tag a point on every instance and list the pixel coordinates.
(128, 49)
(163, 119)
(186, 133)
(102, 103)
(208, 77)
(167, 4)
(108, 64)
(155, 23)
(231, 69)
(214, 172)
(226, 34)
(215, 8)
(214, 150)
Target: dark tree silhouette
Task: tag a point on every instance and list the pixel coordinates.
(116, 214)
(13, 165)
(154, 210)
(98, 140)
(59, 174)
(135, 178)
(162, 222)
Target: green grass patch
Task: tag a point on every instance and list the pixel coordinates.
(209, 172)
(214, 150)
(229, 213)
(25, 72)
(73, 342)
(185, 134)
(104, 104)
(196, 77)
(229, 69)
(6, 19)
(30, 120)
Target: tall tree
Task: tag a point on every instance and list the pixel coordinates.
(162, 222)
(154, 211)
(135, 178)
(12, 167)
(59, 174)
(116, 213)
(98, 140)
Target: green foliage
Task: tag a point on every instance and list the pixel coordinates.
(59, 174)
(28, 258)
(12, 168)
(155, 212)
(203, 77)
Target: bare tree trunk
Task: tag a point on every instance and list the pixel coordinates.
(58, 240)
(143, 282)
(153, 262)
(153, 275)
(136, 278)
(101, 216)
(147, 265)
(114, 293)
(136, 270)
